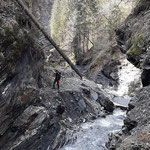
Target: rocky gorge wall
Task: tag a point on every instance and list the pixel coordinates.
(19, 77)
(133, 40)
(21, 61)
(42, 10)
(28, 117)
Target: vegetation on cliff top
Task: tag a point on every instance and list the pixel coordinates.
(77, 25)
(138, 46)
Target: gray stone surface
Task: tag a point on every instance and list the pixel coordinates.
(28, 103)
(133, 39)
(133, 36)
(28, 117)
(136, 129)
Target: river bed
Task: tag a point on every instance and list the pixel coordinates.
(93, 135)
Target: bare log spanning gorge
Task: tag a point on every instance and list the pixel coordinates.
(39, 26)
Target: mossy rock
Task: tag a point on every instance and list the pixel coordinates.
(8, 35)
(134, 51)
(94, 66)
(13, 44)
(96, 63)
(7, 28)
(18, 49)
(138, 46)
(8, 41)
(51, 64)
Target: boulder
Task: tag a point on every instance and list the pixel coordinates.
(106, 102)
(82, 104)
(94, 95)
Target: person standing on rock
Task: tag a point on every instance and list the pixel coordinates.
(57, 79)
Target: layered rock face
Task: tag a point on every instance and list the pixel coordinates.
(136, 130)
(28, 118)
(133, 39)
(19, 77)
(41, 9)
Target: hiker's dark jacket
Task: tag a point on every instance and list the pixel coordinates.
(57, 76)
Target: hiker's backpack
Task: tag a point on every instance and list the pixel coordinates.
(60, 109)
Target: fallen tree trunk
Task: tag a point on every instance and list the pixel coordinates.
(47, 36)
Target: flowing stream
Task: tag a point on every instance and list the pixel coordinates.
(93, 135)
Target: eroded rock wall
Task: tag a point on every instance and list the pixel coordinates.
(42, 10)
(136, 130)
(28, 103)
(133, 36)
(20, 65)
(133, 40)
(20, 53)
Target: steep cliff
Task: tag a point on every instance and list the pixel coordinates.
(28, 103)
(133, 40)
(19, 76)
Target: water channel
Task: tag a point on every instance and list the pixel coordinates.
(94, 134)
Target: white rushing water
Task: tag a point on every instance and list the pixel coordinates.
(128, 75)
(93, 135)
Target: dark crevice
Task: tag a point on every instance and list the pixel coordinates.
(145, 78)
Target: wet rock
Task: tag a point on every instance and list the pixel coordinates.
(93, 117)
(130, 106)
(133, 39)
(145, 78)
(32, 115)
(20, 119)
(130, 124)
(108, 76)
(82, 104)
(86, 91)
(113, 138)
(121, 107)
(94, 95)
(121, 101)
(102, 114)
(106, 102)
(133, 36)
(136, 147)
(136, 124)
